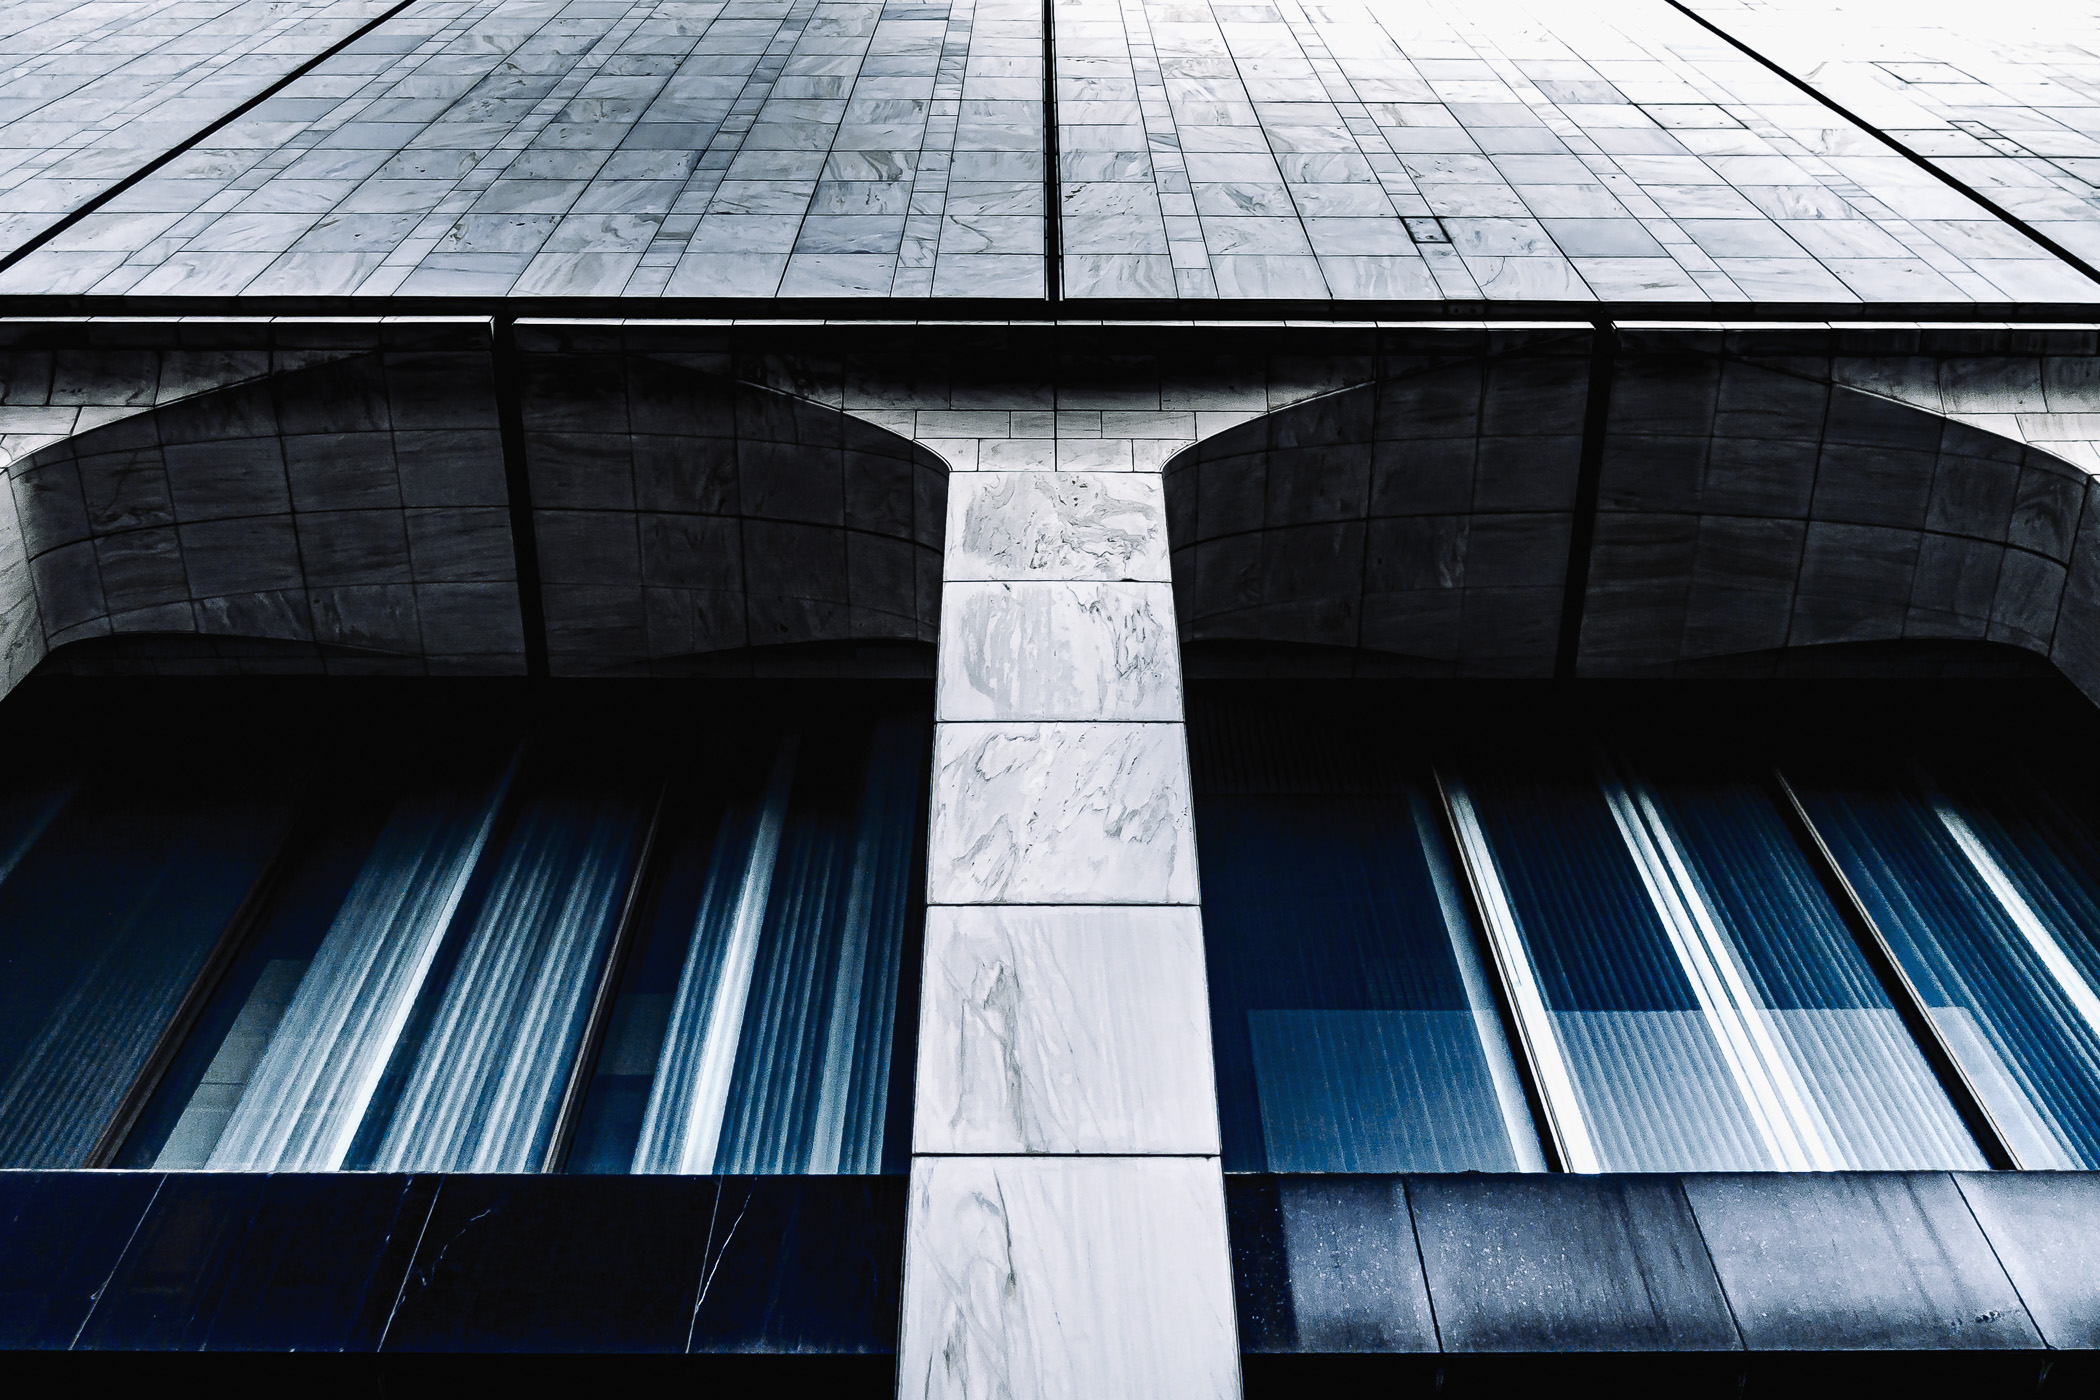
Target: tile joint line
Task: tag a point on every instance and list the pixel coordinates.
(2040, 238)
(1053, 252)
(1582, 526)
(191, 141)
(517, 479)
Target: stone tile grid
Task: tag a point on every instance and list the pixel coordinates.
(1498, 150)
(302, 508)
(679, 514)
(681, 147)
(49, 395)
(2007, 100)
(91, 92)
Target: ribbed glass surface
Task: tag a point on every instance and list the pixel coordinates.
(1708, 1007)
(1984, 884)
(112, 898)
(754, 1028)
(1353, 1026)
(440, 983)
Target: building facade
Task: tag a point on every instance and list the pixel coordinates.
(965, 699)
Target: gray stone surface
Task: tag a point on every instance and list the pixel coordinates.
(1567, 1264)
(681, 147)
(91, 92)
(1504, 150)
(1355, 1269)
(1064, 1030)
(358, 507)
(1061, 814)
(680, 513)
(2004, 99)
(1059, 651)
(1041, 1278)
(2044, 1228)
(1856, 1261)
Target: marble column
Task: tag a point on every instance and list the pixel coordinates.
(1067, 1227)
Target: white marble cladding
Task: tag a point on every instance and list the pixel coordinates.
(1067, 1228)
(1059, 651)
(1031, 1278)
(1065, 1030)
(1056, 525)
(1090, 813)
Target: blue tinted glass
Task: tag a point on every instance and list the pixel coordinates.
(113, 903)
(756, 1027)
(1984, 889)
(1851, 1085)
(1352, 1024)
(1652, 1082)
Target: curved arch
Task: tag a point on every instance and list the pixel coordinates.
(356, 516)
(1743, 511)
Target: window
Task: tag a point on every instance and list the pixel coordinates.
(1528, 926)
(605, 933)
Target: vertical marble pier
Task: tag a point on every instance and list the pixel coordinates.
(1066, 1236)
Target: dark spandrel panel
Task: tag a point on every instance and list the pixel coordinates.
(1261, 1269)
(322, 1264)
(1866, 1262)
(1327, 1264)
(813, 1267)
(555, 1264)
(61, 1235)
(164, 1290)
(1540, 1264)
(730, 1264)
(2045, 1229)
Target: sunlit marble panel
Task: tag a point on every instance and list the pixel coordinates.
(1061, 814)
(1032, 1278)
(1059, 651)
(1076, 1030)
(1056, 525)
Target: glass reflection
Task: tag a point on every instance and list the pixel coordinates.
(1353, 1024)
(1983, 882)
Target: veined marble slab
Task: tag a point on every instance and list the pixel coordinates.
(1061, 814)
(1077, 1030)
(1073, 1278)
(1057, 651)
(1056, 525)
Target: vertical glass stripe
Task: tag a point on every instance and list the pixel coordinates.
(488, 1078)
(310, 1091)
(682, 1126)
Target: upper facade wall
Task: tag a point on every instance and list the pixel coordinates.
(1436, 154)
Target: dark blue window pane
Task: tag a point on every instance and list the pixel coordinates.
(1353, 1026)
(112, 906)
(1984, 889)
(757, 1028)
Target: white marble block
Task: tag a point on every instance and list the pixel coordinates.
(1076, 1030)
(1061, 814)
(1011, 525)
(1055, 651)
(1074, 1278)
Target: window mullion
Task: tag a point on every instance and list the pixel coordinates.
(1554, 1080)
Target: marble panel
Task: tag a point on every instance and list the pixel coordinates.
(1059, 651)
(1076, 1030)
(1034, 1278)
(1061, 814)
